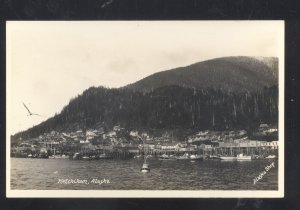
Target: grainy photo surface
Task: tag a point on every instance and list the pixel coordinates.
(145, 108)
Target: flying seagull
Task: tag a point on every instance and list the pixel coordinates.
(30, 113)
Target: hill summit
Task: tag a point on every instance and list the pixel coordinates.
(239, 73)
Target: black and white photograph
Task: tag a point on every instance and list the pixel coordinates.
(145, 109)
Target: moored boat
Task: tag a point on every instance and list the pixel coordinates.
(76, 156)
(65, 156)
(271, 157)
(59, 156)
(138, 156)
(243, 157)
(43, 156)
(167, 157)
(185, 156)
(145, 168)
(104, 156)
(196, 157)
(86, 157)
(149, 156)
(238, 157)
(228, 158)
(213, 157)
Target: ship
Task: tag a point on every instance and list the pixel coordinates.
(238, 157)
(196, 157)
(104, 156)
(271, 157)
(167, 157)
(145, 168)
(185, 156)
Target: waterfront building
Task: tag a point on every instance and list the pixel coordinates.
(205, 146)
(134, 133)
(117, 128)
(187, 149)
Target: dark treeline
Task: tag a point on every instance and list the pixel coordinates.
(170, 107)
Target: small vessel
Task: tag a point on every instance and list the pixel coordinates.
(93, 157)
(242, 157)
(185, 156)
(76, 156)
(164, 156)
(145, 168)
(257, 157)
(65, 156)
(85, 157)
(271, 157)
(104, 156)
(55, 157)
(59, 156)
(43, 155)
(238, 157)
(228, 158)
(167, 157)
(214, 157)
(196, 157)
(137, 156)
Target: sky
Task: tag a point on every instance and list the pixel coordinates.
(50, 62)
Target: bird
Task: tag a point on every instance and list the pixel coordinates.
(30, 113)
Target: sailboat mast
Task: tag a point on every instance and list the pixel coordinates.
(145, 158)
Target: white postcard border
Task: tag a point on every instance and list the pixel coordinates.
(150, 193)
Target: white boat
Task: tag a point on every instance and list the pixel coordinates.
(238, 157)
(104, 156)
(185, 156)
(271, 157)
(76, 156)
(145, 168)
(86, 158)
(214, 157)
(138, 156)
(164, 156)
(58, 157)
(196, 157)
(242, 157)
(167, 157)
(65, 156)
(54, 157)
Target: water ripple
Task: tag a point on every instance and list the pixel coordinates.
(43, 174)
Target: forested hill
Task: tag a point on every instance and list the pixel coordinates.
(228, 73)
(166, 107)
(222, 93)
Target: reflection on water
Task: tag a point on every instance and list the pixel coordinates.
(44, 174)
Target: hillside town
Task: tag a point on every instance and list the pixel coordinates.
(121, 143)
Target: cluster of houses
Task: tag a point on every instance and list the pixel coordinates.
(134, 141)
